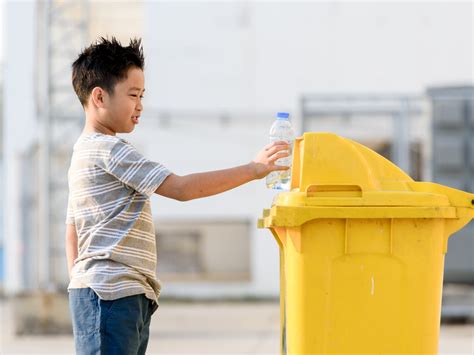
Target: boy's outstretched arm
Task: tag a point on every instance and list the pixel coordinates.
(189, 187)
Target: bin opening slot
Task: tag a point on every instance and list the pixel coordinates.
(333, 191)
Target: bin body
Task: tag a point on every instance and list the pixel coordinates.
(361, 252)
(363, 286)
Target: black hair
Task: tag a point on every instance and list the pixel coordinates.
(104, 64)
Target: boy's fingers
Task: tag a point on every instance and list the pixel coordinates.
(272, 151)
(276, 149)
(279, 168)
(276, 144)
(277, 156)
(268, 146)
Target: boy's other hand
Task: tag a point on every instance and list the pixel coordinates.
(264, 163)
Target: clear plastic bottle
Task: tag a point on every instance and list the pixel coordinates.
(281, 130)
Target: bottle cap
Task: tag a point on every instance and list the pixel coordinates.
(283, 115)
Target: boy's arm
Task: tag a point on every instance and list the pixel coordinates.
(189, 187)
(71, 246)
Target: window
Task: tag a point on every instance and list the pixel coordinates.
(203, 251)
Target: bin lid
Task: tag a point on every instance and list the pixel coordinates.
(336, 177)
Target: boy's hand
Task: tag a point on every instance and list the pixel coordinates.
(264, 163)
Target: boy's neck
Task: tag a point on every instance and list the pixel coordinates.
(94, 126)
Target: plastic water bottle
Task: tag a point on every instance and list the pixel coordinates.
(281, 130)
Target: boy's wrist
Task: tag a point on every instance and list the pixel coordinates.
(254, 170)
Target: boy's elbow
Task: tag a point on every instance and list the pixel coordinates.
(184, 198)
(179, 196)
(184, 195)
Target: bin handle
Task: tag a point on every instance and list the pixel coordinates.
(321, 190)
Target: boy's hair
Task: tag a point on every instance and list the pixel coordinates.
(104, 64)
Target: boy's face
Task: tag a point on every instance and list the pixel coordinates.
(125, 106)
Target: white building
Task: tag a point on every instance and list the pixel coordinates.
(216, 73)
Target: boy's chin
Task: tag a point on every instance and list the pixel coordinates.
(127, 130)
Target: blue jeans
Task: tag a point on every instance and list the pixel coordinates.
(120, 326)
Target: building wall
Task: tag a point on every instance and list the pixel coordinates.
(263, 55)
(243, 61)
(19, 133)
(216, 72)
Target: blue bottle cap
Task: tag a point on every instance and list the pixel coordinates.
(283, 115)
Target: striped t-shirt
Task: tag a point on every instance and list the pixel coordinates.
(110, 185)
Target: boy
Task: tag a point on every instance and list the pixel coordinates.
(110, 240)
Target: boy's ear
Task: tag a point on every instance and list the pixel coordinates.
(98, 97)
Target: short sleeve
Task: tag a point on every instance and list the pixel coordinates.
(134, 170)
(70, 211)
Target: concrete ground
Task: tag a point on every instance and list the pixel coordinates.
(211, 328)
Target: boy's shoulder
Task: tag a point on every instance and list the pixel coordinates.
(97, 149)
(98, 141)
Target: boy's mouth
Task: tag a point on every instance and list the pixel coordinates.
(135, 119)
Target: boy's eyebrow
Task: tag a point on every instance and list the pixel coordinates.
(135, 88)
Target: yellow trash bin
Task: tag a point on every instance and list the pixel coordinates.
(362, 250)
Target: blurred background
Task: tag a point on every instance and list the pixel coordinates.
(396, 76)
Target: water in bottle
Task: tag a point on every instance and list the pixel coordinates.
(281, 130)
